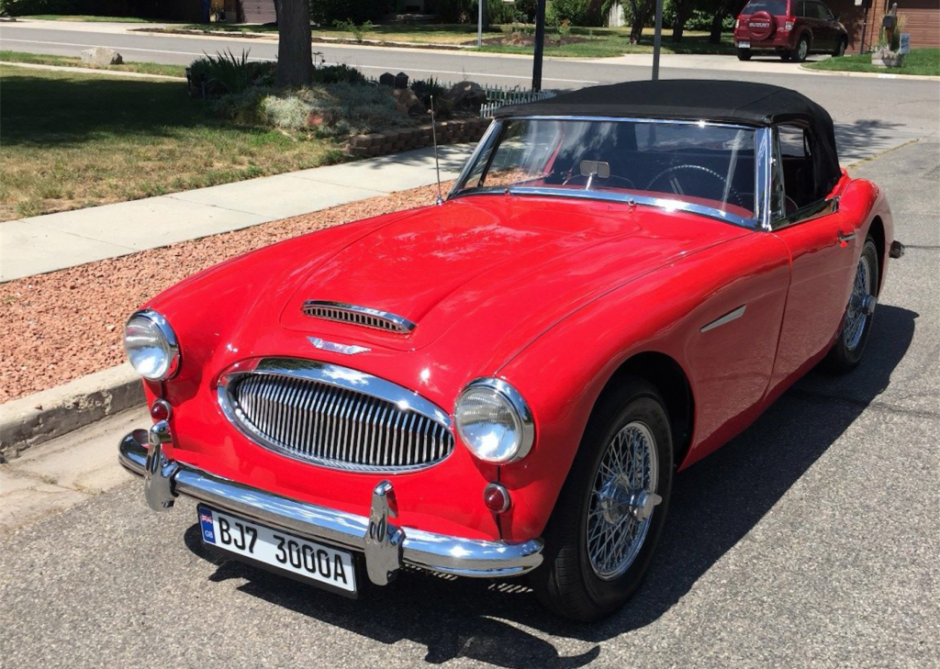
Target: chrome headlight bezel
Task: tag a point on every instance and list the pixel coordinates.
(167, 343)
(509, 397)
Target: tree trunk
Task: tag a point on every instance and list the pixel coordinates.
(294, 53)
(486, 14)
(678, 27)
(714, 37)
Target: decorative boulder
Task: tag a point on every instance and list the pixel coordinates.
(467, 94)
(101, 55)
(406, 98)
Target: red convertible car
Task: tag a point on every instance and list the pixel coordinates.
(622, 279)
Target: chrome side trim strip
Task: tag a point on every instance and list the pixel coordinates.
(358, 315)
(427, 550)
(727, 318)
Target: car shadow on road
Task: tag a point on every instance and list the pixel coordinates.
(715, 505)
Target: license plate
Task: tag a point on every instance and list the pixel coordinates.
(744, 45)
(284, 552)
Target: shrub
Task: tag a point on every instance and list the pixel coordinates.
(578, 12)
(425, 89)
(325, 12)
(350, 26)
(343, 108)
(338, 74)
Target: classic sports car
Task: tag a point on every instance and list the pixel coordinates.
(622, 279)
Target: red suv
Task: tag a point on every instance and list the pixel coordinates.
(791, 28)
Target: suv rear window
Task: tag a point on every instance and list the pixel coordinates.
(772, 7)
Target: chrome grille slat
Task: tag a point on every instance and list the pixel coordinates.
(338, 427)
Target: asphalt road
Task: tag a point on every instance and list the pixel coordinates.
(810, 540)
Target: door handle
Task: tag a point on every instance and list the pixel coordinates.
(844, 237)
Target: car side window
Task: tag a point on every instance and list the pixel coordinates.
(793, 174)
(801, 9)
(824, 12)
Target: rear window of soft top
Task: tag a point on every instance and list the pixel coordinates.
(772, 7)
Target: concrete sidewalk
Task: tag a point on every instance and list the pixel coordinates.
(47, 243)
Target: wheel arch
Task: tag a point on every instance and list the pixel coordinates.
(670, 380)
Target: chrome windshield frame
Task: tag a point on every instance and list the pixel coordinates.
(762, 154)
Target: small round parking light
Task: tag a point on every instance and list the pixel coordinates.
(160, 410)
(496, 498)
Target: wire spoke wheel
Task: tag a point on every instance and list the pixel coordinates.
(622, 501)
(860, 306)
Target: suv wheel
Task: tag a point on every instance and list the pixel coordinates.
(744, 54)
(802, 50)
(840, 49)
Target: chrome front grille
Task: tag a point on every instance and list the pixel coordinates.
(351, 313)
(336, 417)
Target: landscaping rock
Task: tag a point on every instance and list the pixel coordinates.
(407, 98)
(101, 55)
(467, 94)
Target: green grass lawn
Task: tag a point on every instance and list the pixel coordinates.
(71, 61)
(74, 140)
(918, 61)
(593, 42)
(86, 18)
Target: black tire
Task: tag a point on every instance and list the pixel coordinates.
(799, 54)
(849, 348)
(840, 48)
(744, 54)
(567, 583)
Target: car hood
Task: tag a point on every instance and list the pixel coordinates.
(491, 264)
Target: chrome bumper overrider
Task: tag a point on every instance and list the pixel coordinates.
(386, 546)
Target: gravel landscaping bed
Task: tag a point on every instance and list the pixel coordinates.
(66, 324)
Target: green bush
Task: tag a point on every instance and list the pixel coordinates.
(578, 12)
(99, 7)
(338, 74)
(228, 73)
(455, 11)
(325, 12)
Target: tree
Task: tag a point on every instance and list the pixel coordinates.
(721, 9)
(294, 53)
(638, 13)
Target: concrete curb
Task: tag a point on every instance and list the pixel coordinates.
(871, 75)
(34, 419)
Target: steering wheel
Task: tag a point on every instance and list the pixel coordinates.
(580, 179)
(696, 168)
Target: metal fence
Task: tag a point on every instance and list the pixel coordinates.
(498, 96)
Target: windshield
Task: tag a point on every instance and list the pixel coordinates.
(709, 168)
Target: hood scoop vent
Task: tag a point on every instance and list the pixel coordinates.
(356, 315)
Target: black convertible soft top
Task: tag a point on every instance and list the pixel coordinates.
(701, 99)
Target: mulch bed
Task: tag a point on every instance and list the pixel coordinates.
(66, 324)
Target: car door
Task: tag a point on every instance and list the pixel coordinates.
(822, 28)
(824, 249)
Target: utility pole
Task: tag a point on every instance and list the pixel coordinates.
(657, 39)
(479, 24)
(539, 44)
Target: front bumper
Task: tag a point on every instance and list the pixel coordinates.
(386, 547)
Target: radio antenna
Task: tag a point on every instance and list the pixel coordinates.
(437, 163)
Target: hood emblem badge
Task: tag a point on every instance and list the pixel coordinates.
(333, 347)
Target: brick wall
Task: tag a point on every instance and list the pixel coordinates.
(405, 139)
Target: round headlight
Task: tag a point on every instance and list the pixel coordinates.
(151, 345)
(494, 421)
